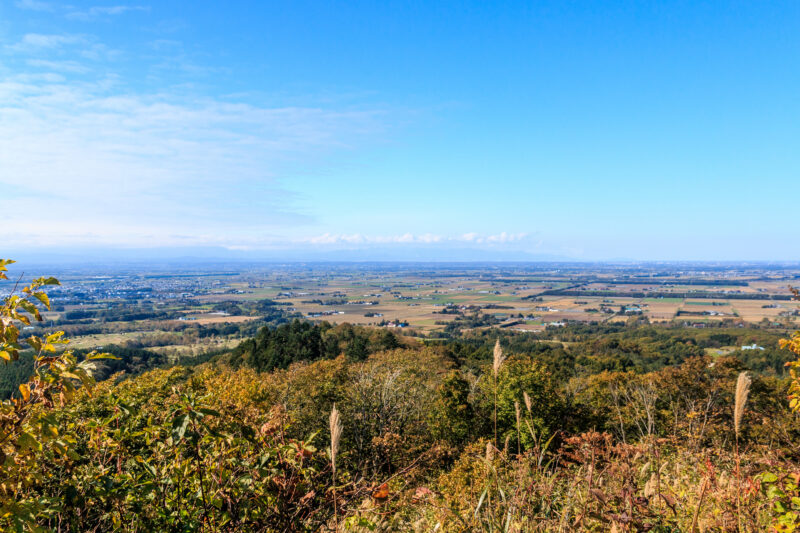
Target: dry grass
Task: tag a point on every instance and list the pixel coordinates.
(336, 435)
(742, 391)
(223, 319)
(498, 358)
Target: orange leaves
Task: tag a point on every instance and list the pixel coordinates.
(381, 493)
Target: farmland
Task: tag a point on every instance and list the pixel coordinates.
(179, 310)
(530, 297)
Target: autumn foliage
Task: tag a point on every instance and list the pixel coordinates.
(424, 439)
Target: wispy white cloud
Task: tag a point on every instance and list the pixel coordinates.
(104, 11)
(40, 48)
(36, 42)
(86, 159)
(71, 12)
(165, 44)
(35, 5)
(99, 52)
(500, 238)
(99, 163)
(59, 66)
(429, 238)
(80, 231)
(506, 237)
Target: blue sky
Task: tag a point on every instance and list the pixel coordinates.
(584, 130)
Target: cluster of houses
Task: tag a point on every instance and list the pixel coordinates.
(318, 314)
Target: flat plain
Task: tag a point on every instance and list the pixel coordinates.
(179, 310)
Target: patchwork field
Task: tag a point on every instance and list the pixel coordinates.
(529, 303)
(173, 309)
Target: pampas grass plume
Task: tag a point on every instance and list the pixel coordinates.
(498, 358)
(742, 391)
(336, 435)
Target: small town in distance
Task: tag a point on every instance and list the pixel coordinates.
(189, 311)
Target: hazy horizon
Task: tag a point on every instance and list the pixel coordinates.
(431, 255)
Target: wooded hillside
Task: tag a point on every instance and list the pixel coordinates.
(604, 428)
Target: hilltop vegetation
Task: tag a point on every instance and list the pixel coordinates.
(620, 427)
(304, 341)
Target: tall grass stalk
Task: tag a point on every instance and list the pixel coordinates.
(336, 435)
(497, 362)
(742, 391)
(696, 515)
(517, 412)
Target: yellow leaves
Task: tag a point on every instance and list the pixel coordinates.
(47, 345)
(30, 308)
(57, 338)
(8, 331)
(793, 344)
(3, 269)
(24, 422)
(72, 375)
(38, 282)
(18, 309)
(50, 430)
(95, 355)
(35, 342)
(61, 448)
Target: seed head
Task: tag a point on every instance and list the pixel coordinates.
(498, 358)
(742, 390)
(336, 435)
